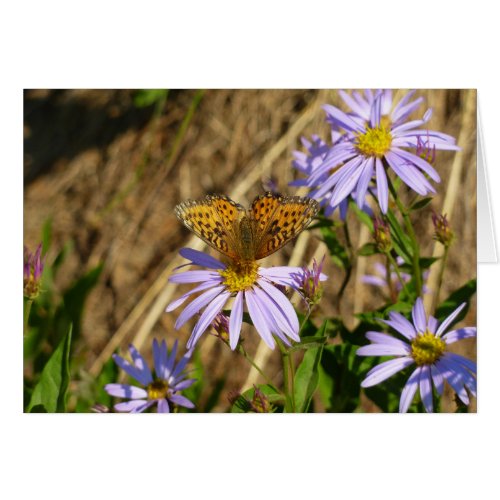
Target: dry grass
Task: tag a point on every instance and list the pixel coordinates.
(110, 174)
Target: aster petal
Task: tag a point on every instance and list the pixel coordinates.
(454, 379)
(432, 324)
(467, 379)
(201, 258)
(184, 384)
(376, 112)
(381, 350)
(401, 325)
(348, 181)
(212, 309)
(133, 406)
(409, 390)
(163, 406)
(426, 388)
(342, 152)
(462, 333)
(258, 319)
(418, 162)
(126, 391)
(419, 317)
(131, 370)
(382, 187)
(284, 310)
(402, 110)
(373, 280)
(140, 364)
(170, 362)
(437, 377)
(341, 119)
(342, 174)
(364, 180)
(195, 277)
(386, 101)
(203, 286)
(385, 370)
(159, 357)
(181, 401)
(355, 105)
(197, 304)
(410, 175)
(449, 320)
(383, 338)
(270, 315)
(467, 363)
(175, 376)
(235, 321)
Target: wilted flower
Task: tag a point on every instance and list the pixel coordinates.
(425, 345)
(382, 235)
(309, 282)
(32, 270)
(162, 389)
(375, 135)
(257, 287)
(442, 230)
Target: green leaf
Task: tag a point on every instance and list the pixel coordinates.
(309, 342)
(148, 97)
(338, 252)
(368, 249)
(463, 294)
(50, 391)
(307, 375)
(421, 204)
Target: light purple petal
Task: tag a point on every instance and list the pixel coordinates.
(364, 180)
(347, 182)
(175, 376)
(170, 362)
(454, 379)
(195, 277)
(419, 317)
(432, 324)
(426, 388)
(181, 401)
(382, 187)
(385, 370)
(381, 350)
(140, 364)
(447, 322)
(159, 357)
(214, 308)
(467, 363)
(355, 105)
(467, 379)
(203, 286)
(401, 325)
(383, 338)
(437, 377)
(376, 112)
(235, 321)
(418, 162)
(131, 370)
(341, 119)
(133, 406)
(373, 280)
(410, 175)
(201, 258)
(163, 406)
(462, 333)
(409, 390)
(283, 309)
(197, 304)
(126, 391)
(184, 384)
(258, 319)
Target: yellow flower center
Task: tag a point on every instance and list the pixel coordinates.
(240, 276)
(158, 389)
(426, 348)
(375, 141)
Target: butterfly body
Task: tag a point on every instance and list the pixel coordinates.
(247, 235)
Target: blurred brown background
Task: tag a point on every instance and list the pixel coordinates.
(109, 169)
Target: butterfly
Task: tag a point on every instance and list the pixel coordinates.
(247, 235)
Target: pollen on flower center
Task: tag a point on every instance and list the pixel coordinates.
(240, 276)
(157, 389)
(374, 142)
(426, 348)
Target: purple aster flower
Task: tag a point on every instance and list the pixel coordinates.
(425, 345)
(376, 137)
(308, 163)
(32, 271)
(257, 287)
(162, 389)
(308, 281)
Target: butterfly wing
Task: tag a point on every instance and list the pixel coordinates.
(214, 219)
(277, 219)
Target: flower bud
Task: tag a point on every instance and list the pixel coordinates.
(32, 270)
(442, 231)
(382, 235)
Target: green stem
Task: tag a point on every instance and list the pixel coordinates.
(413, 238)
(27, 310)
(288, 376)
(396, 268)
(388, 275)
(243, 352)
(440, 277)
